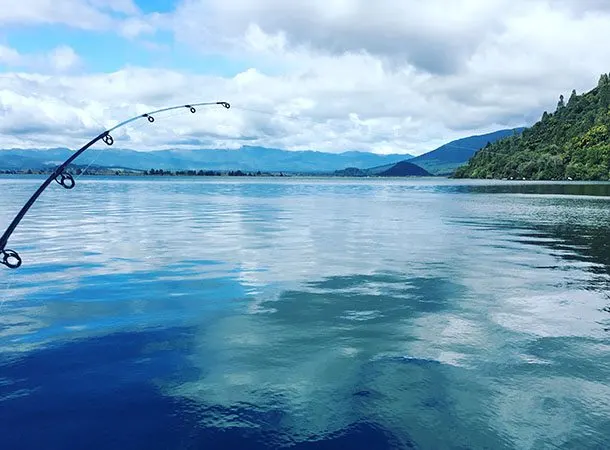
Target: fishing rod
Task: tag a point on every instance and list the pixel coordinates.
(11, 258)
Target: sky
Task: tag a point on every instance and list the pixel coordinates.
(333, 75)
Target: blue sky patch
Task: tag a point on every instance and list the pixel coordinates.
(109, 51)
(160, 6)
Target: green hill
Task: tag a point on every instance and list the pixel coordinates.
(405, 169)
(571, 143)
(400, 169)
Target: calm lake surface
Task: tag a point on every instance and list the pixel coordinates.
(191, 313)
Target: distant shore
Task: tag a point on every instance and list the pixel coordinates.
(195, 173)
(152, 172)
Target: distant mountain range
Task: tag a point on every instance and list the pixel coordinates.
(246, 159)
(441, 161)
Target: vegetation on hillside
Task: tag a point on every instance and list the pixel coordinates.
(571, 143)
(405, 169)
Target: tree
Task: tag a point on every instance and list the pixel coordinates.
(573, 97)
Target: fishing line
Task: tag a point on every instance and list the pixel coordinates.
(302, 119)
(270, 113)
(132, 128)
(10, 258)
(99, 150)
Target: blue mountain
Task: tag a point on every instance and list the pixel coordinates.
(246, 158)
(445, 159)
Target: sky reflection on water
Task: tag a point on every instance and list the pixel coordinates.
(407, 313)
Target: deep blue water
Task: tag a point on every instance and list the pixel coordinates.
(306, 313)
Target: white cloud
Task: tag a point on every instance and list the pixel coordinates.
(63, 58)
(9, 56)
(310, 112)
(123, 15)
(335, 75)
(60, 59)
(434, 35)
(135, 26)
(77, 13)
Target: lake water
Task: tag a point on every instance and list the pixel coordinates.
(192, 313)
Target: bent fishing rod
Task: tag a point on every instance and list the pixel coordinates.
(11, 258)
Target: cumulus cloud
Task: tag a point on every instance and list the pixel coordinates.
(333, 75)
(290, 111)
(434, 35)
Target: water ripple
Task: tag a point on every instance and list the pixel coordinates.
(278, 313)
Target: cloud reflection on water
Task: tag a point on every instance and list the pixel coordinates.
(416, 304)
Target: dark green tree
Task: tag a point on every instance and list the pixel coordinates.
(573, 97)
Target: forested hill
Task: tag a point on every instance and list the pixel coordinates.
(573, 142)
